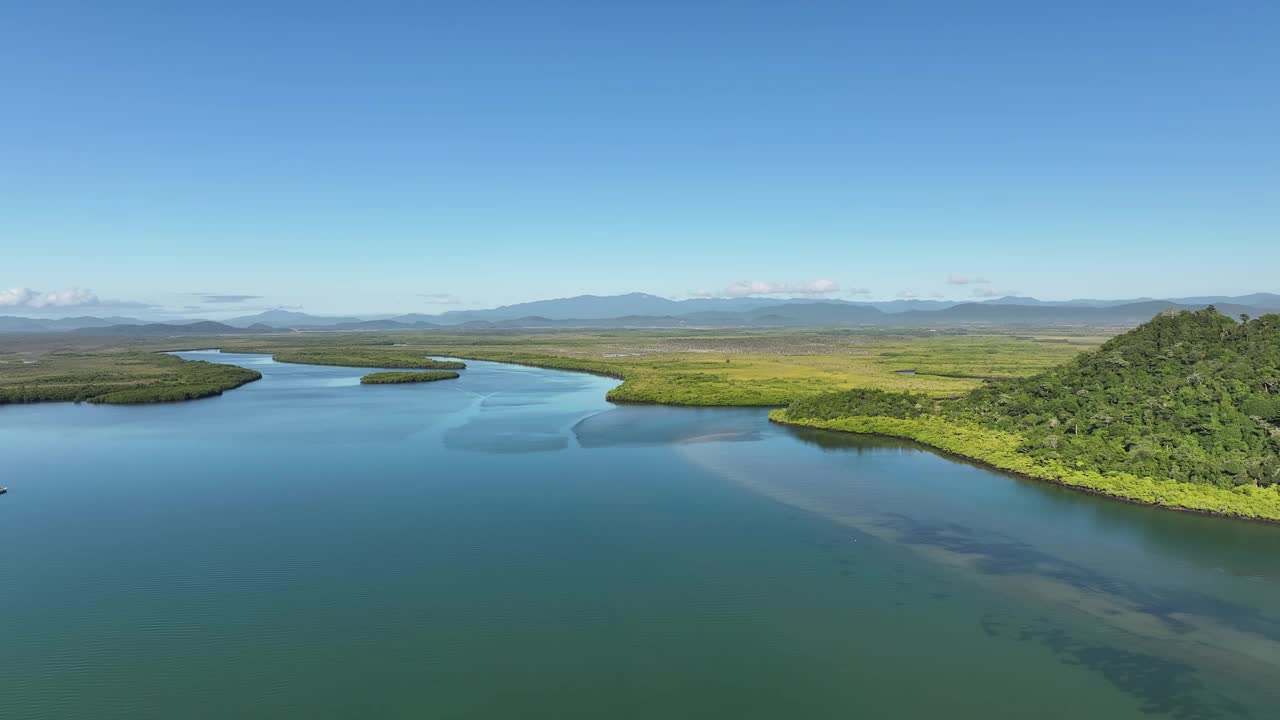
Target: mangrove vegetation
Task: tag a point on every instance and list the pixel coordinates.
(370, 357)
(398, 378)
(118, 379)
(1183, 411)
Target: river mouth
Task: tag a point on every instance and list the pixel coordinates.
(300, 547)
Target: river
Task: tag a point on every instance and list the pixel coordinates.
(511, 545)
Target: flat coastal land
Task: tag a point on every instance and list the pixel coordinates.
(765, 368)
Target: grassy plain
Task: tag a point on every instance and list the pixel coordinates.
(744, 368)
(685, 367)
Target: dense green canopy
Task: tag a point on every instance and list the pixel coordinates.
(400, 378)
(129, 378)
(1190, 396)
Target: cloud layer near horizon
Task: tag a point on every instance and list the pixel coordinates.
(967, 280)
(225, 298)
(38, 302)
(992, 292)
(441, 298)
(748, 288)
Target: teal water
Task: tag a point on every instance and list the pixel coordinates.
(510, 545)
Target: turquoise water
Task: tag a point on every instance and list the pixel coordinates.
(510, 545)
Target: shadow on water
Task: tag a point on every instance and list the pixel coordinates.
(631, 426)
(832, 441)
(1242, 549)
(1159, 635)
(999, 555)
(478, 439)
(1166, 687)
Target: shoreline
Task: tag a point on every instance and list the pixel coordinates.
(779, 417)
(777, 414)
(611, 374)
(1235, 505)
(615, 375)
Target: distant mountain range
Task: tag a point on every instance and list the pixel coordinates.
(200, 327)
(288, 319)
(8, 323)
(638, 310)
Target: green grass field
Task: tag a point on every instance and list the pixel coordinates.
(768, 368)
(775, 368)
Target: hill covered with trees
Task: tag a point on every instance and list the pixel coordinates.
(1182, 411)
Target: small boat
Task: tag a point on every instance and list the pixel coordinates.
(3, 490)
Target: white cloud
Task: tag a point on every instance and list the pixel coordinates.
(225, 298)
(992, 292)
(28, 298)
(440, 298)
(907, 294)
(747, 288)
(967, 280)
(35, 302)
(15, 297)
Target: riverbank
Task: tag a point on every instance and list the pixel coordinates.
(363, 357)
(702, 368)
(741, 368)
(999, 450)
(639, 387)
(148, 378)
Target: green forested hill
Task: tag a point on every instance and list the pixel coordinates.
(1191, 397)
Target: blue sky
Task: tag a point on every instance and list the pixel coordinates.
(367, 157)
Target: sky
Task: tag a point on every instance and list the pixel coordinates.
(205, 160)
